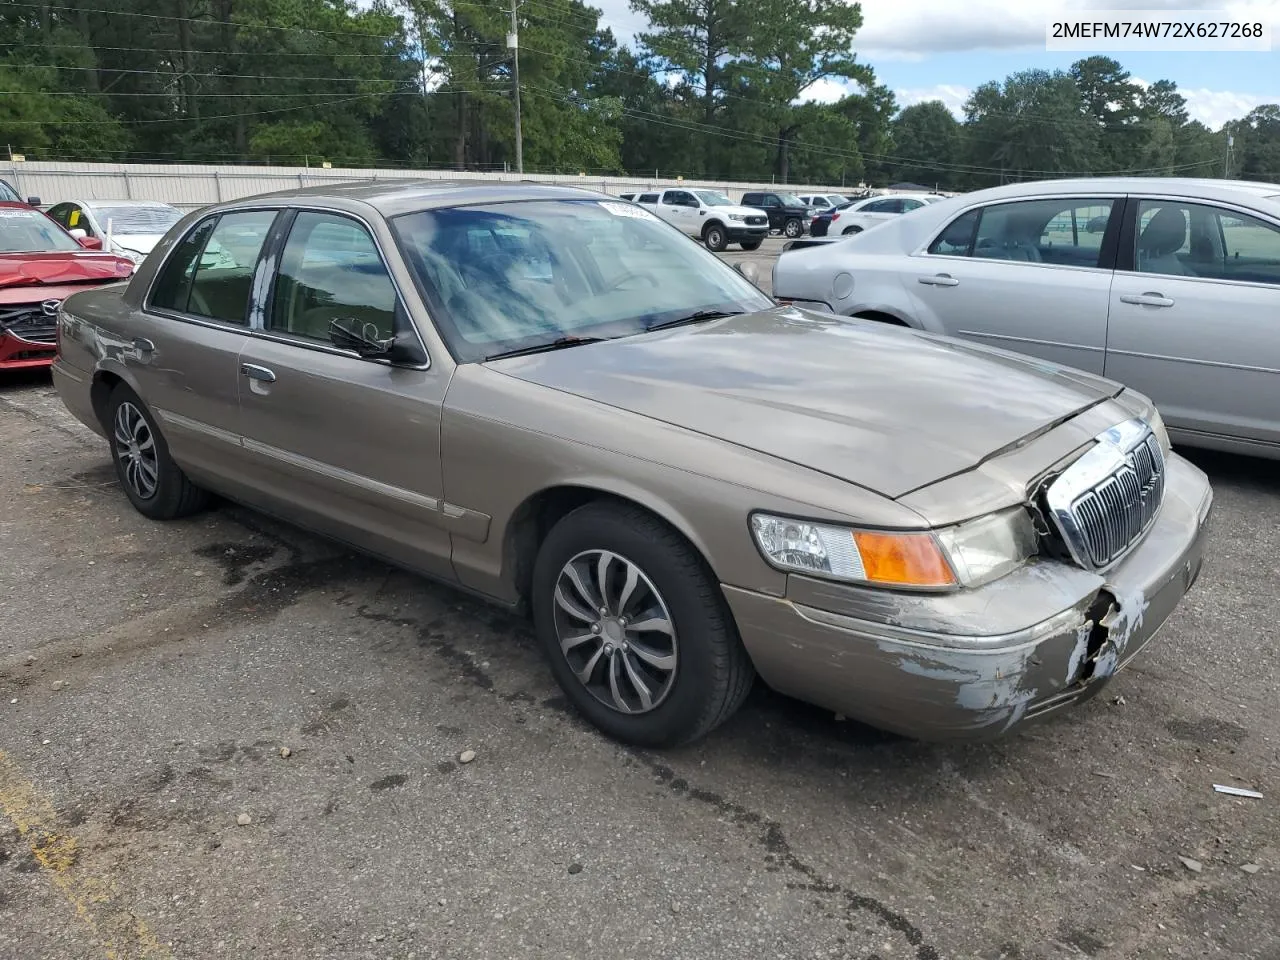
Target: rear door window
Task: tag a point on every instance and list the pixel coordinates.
(1062, 230)
(211, 272)
(1175, 238)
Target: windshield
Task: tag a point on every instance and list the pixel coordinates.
(9, 194)
(791, 200)
(509, 276)
(26, 231)
(713, 199)
(131, 221)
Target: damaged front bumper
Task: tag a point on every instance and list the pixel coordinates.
(19, 353)
(975, 664)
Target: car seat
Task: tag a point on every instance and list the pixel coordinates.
(1161, 239)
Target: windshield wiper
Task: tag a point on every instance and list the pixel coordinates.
(694, 317)
(559, 343)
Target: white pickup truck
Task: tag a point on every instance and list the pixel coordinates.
(708, 215)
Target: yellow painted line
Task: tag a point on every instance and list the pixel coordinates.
(95, 899)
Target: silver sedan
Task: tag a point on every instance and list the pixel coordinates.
(1171, 286)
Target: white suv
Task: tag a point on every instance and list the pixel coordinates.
(708, 215)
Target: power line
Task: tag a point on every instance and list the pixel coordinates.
(224, 116)
(95, 48)
(498, 87)
(765, 140)
(344, 34)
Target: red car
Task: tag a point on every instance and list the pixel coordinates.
(40, 264)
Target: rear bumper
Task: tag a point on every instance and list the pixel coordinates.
(75, 390)
(976, 665)
(18, 353)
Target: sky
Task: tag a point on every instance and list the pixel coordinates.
(943, 49)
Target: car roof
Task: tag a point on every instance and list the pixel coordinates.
(395, 197)
(1204, 187)
(121, 203)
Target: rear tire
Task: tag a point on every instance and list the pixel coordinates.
(793, 229)
(689, 658)
(154, 484)
(714, 236)
(850, 231)
(750, 245)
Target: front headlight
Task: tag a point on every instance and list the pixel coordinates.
(989, 547)
(969, 554)
(737, 216)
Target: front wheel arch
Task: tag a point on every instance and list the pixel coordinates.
(532, 520)
(881, 317)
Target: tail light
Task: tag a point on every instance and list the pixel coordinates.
(835, 217)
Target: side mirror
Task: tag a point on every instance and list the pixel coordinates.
(749, 270)
(347, 333)
(33, 201)
(90, 243)
(77, 232)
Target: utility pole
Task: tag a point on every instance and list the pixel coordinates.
(1226, 160)
(513, 44)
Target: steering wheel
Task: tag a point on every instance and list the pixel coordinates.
(650, 278)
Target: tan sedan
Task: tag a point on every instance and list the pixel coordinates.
(555, 400)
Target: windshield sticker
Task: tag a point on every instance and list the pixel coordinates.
(627, 210)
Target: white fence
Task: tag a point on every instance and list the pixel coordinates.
(193, 185)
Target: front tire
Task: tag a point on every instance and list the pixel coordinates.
(850, 231)
(750, 245)
(715, 238)
(793, 229)
(635, 627)
(154, 484)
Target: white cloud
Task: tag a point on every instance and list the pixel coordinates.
(1213, 108)
(950, 94)
(828, 90)
(894, 30)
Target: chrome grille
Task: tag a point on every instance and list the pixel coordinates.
(757, 221)
(29, 321)
(1104, 502)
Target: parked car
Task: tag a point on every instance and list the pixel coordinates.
(1176, 297)
(822, 219)
(864, 214)
(788, 214)
(9, 194)
(132, 227)
(40, 264)
(685, 483)
(823, 201)
(710, 216)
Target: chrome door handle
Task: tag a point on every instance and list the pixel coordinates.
(143, 345)
(941, 280)
(1147, 300)
(255, 372)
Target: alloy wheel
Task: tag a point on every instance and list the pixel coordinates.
(136, 449)
(793, 229)
(615, 631)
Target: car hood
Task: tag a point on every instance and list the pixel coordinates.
(742, 211)
(887, 408)
(55, 267)
(137, 242)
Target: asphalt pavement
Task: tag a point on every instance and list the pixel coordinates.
(223, 738)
